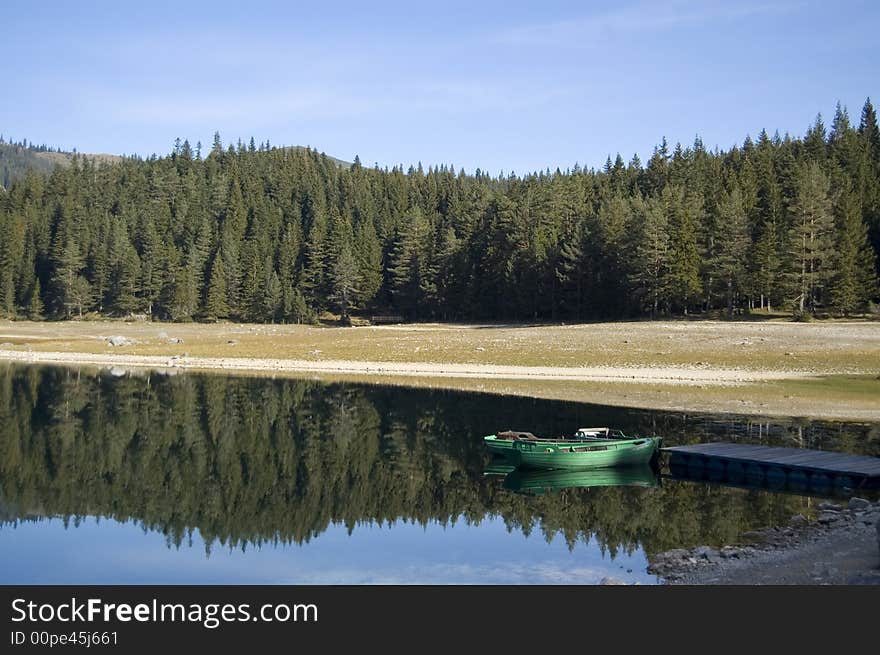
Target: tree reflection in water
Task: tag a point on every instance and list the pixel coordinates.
(250, 461)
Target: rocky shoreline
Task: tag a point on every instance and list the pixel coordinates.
(842, 546)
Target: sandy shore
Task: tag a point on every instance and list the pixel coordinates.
(680, 375)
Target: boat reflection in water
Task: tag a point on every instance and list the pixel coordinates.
(539, 482)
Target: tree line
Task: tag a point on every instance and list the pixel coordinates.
(268, 234)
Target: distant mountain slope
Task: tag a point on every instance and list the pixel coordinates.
(16, 159)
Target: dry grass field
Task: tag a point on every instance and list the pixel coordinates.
(775, 367)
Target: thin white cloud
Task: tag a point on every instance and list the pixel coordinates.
(259, 105)
(639, 18)
(465, 574)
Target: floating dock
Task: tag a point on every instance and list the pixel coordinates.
(798, 469)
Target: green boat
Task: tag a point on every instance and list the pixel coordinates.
(588, 448)
(503, 443)
(584, 455)
(541, 482)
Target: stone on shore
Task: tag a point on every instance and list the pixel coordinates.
(707, 553)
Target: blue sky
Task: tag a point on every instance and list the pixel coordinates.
(496, 85)
(109, 552)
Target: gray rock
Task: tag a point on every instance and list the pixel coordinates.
(798, 520)
(825, 505)
(675, 553)
(859, 503)
(162, 334)
(754, 535)
(174, 340)
(828, 517)
(119, 341)
(117, 372)
(608, 580)
(707, 553)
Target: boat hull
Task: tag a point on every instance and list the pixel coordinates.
(498, 446)
(635, 452)
(506, 446)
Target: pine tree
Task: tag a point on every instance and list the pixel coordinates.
(869, 131)
(72, 291)
(273, 296)
(181, 301)
(216, 306)
(368, 254)
(496, 248)
(814, 143)
(126, 282)
(232, 232)
(35, 305)
(448, 273)
(614, 222)
(869, 174)
(569, 270)
(345, 278)
(853, 283)
(652, 254)
(733, 242)
(7, 280)
(656, 174)
(150, 253)
(764, 265)
(409, 264)
(683, 269)
(293, 306)
(314, 273)
(810, 239)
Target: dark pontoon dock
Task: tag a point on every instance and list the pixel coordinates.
(797, 468)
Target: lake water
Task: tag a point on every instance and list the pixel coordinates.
(181, 479)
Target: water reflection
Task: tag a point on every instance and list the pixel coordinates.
(229, 464)
(540, 482)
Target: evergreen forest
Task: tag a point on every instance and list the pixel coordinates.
(258, 233)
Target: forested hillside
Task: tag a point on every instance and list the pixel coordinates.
(16, 158)
(276, 234)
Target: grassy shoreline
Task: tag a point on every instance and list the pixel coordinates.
(819, 370)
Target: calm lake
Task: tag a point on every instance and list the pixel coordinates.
(145, 477)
